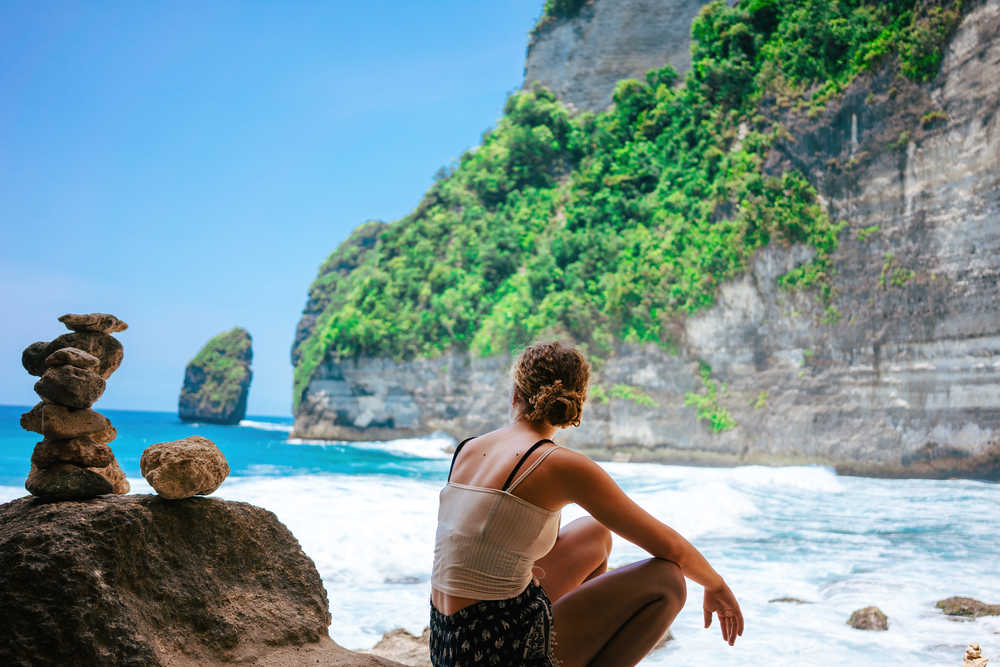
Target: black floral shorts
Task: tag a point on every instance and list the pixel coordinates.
(512, 632)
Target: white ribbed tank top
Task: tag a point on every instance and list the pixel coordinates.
(488, 539)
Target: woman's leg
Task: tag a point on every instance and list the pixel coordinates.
(580, 553)
(617, 617)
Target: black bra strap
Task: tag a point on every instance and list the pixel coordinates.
(510, 477)
(455, 455)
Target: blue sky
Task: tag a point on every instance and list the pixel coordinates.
(187, 166)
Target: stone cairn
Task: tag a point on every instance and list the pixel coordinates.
(74, 461)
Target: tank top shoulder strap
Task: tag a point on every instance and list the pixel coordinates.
(455, 455)
(507, 485)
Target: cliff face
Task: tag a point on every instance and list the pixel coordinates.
(217, 381)
(900, 376)
(582, 58)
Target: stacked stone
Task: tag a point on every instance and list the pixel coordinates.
(74, 461)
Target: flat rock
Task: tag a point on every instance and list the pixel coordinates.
(106, 348)
(869, 618)
(184, 468)
(82, 451)
(970, 607)
(96, 322)
(136, 580)
(65, 481)
(70, 386)
(789, 600)
(58, 422)
(33, 357)
(72, 357)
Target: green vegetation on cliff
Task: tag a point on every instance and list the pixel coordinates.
(615, 226)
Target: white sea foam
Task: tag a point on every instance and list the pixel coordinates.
(430, 447)
(9, 493)
(266, 426)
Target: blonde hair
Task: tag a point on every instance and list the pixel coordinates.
(552, 379)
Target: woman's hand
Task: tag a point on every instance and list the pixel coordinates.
(721, 601)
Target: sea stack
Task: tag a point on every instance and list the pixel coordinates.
(74, 461)
(217, 380)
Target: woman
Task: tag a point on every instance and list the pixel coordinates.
(499, 522)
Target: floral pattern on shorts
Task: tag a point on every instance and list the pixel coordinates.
(515, 631)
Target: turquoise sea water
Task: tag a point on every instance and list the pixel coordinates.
(365, 513)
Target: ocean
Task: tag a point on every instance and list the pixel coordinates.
(365, 513)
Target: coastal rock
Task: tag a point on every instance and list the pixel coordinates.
(974, 657)
(65, 481)
(33, 357)
(184, 468)
(70, 386)
(114, 474)
(217, 380)
(82, 451)
(869, 618)
(581, 58)
(789, 600)
(58, 422)
(72, 357)
(969, 607)
(97, 322)
(106, 348)
(136, 580)
(405, 647)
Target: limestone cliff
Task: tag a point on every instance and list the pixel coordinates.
(899, 376)
(582, 57)
(217, 380)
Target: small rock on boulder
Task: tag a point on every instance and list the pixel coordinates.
(184, 468)
(106, 348)
(82, 451)
(869, 618)
(969, 607)
(72, 357)
(33, 357)
(65, 481)
(57, 422)
(97, 322)
(70, 386)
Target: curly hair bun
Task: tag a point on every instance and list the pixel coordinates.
(552, 379)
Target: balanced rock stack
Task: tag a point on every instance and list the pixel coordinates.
(74, 460)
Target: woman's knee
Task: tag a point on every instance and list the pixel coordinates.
(668, 581)
(595, 534)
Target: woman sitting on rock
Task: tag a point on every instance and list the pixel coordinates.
(499, 520)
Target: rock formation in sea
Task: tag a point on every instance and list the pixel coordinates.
(969, 607)
(74, 460)
(896, 375)
(217, 380)
(869, 618)
(138, 580)
(184, 468)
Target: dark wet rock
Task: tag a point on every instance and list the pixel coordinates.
(106, 348)
(60, 423)
(184, 468)
(96, 322)
(73, 357)
(33, 357)
(70, 386)
(82, 451)
(217, 380)
(136, 580)
(869, 618)
(968, 607)
(114, 474)
(65, 481)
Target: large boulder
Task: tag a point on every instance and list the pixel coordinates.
(217, 381)
(184, 468)
(136, 580)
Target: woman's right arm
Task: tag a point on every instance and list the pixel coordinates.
(592, 488)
